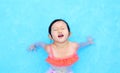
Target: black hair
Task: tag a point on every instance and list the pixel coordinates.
(56, 20)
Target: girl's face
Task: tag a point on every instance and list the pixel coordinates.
(59, 32)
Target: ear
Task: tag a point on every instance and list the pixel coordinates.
(70, 33)
(50, 37)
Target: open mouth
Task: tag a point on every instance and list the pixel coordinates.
(60, 35)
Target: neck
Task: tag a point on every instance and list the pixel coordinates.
(61, 45)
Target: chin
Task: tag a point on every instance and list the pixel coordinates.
(62, 41)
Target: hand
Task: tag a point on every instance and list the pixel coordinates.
(90, 40)
(32, 47)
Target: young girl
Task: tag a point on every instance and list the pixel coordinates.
(62, 52)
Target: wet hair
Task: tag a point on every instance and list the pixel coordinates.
(56, 20)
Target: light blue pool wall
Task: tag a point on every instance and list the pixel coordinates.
(24, 22)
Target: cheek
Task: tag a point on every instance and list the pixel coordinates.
(66, 32)
(54, 33)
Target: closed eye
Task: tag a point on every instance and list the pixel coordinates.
(62, 28)
(54, 29)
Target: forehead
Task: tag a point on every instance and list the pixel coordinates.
(59, 24)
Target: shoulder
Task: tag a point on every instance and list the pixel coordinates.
(47, 47)
(74, 44)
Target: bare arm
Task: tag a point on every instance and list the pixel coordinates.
(37, 45)
(84, 44)
(40, 44)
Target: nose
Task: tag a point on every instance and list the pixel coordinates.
(59, 31)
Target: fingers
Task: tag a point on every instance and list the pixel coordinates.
(31, 48)
(90, 40)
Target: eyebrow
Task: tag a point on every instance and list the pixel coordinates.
(54, 27)
(58, 27)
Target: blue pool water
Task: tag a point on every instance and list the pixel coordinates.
(24, 22)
